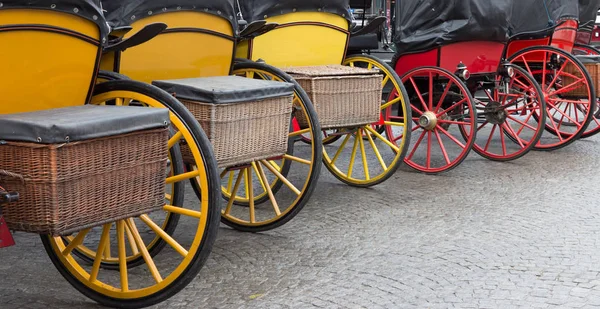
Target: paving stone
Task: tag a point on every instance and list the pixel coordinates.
(485, 235)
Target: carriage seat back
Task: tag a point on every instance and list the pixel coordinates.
(48, 59)
(195, 44)
(301, 39)
(564, 35)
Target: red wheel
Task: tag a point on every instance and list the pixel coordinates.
(587, 50)
(507, 129)
(440, 103)
(568, 90)
(594, 127)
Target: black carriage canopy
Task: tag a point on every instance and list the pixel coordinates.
(425, 24)
(588, 9)
(253, 10)
(89, 9)
(536, 15)
(124, 12)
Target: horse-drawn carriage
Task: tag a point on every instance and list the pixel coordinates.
(486, 74)
(78, 162)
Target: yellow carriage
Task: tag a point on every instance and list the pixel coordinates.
(266, 177)
(310, 42)
(89, 176)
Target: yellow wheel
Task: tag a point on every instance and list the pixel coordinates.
(174, 195)
(169, 270)
(269, 193)
(364, 157)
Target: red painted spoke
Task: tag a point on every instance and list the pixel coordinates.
(402, 135)
(513, 133)
(419, 93)
(439, 138)
(451, 107)
(482, 125)
(487, 93)
(526, 121)
(502, 141)
(416, 109)
(570, 119)
(521, 83)
(565, 89)
(562, 68)
(557, 130)
(430, 91)
(489, 141)
(568, 107)
(526, 65)
(520, 122)
(569, 101)
(451, 137)
(544, 68)
(428, 149)
(417, 144)
(454, 122)
(439, 105)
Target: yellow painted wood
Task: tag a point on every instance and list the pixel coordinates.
(181, 54)
(299, 45)
(43, 70)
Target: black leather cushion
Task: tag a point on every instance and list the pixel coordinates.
(79, 123)
(225, 89)
(588, 59)
(364, 42)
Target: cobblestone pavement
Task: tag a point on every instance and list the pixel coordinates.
(486, 235)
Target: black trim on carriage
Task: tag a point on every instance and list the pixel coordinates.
(199, 30)
(52, 29)
(313, 23)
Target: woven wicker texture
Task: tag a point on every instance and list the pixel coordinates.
(70, 187)
(343, 96)
(241, 133)
(581, 90)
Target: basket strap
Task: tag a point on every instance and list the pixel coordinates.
(12, 175)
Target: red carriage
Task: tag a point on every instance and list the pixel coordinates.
(478, 74)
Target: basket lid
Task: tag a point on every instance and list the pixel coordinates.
(329, 70)
(79, 123)
(225, 89)
(588, 59)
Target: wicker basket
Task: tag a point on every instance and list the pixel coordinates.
(69, 187)
(342, 96)
(593, 68)
(244, 132)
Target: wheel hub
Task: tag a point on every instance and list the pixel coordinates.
(495, 113)
(428, 121)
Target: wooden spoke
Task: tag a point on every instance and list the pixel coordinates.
(283, 179)
(122, 256)
(142, 247)
(182, 177)
(101, 246)
(236, 187)
(269, 191)
(181, 211)
(75, 242)
(166, 237)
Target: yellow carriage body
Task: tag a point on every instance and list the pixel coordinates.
(302, 38)
(196, 44)
(49, 64)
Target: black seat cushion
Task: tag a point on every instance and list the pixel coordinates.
(363, 42)
(225, 89)
(79, 123)
(588, 59)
